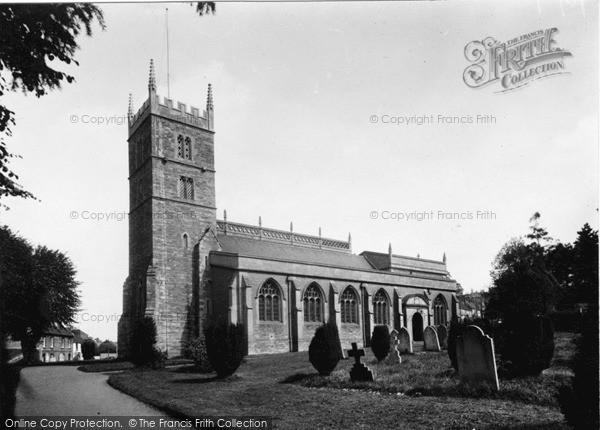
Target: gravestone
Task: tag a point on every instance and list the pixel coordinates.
(394, 355)
(432, 343)
(359, 371)
(442, 332)
(404, 341)
(475, 356)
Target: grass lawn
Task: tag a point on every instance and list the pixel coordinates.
(421, 393)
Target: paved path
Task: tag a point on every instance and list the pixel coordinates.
(65, 391)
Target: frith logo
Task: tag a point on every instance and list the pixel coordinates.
(515, 63)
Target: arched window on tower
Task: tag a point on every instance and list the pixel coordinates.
(440, 311)
(187, 148)
(349, 306)
(313, 304)
(381, 308)
(180, 146)
(185, 240)
(269, 301)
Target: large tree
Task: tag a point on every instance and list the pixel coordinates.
(522, 297)
(38, 290)
(34, 40)
(585, 265)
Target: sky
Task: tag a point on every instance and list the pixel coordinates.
(308, 98)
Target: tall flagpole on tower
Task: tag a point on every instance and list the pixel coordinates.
(168, 69)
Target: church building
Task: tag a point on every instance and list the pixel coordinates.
(186, 267)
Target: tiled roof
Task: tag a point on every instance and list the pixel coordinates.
(246, 246)
(280, 236)
(79, 336)
(58, 330)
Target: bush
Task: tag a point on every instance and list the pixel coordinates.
(143, 339)
(529, 344)
(158, 359)
(225, 347)
(89, 349)
(324, 351)
(196, 350)
(579, 402)
(380, 342)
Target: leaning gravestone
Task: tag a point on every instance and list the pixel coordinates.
(359, 371)
(442, 332)
(475, 356)
(432, 342)
(394, 355)
(404, 341)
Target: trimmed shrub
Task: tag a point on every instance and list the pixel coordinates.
(196, 350)
(88, 349)
(579, 402)
(529, 344)
(143, 339)
(225, 347)
(324, 351)
(380, 342)
(159, 358)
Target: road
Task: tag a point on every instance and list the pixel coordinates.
(65, 391)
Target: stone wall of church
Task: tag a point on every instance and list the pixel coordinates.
(266, 336)
(292, 332)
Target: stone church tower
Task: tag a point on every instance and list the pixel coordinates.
(172, 218)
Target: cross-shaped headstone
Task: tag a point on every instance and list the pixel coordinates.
(356, 353)
(359, 371)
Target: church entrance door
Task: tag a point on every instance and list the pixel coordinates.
(417, 326)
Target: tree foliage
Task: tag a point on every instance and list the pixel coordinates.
(89, 349)
(380, 341)
(206, 8)
(522, 282)
(521, 299)
(226, 346)
(579, 401)
(143, 344)
(39, 289)
(324, 351)
(35, 39)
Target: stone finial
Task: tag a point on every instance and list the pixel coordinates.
(209, 99)
(390, 250)
(444, 258)
(291, 227)
(130, 107)
(350, 241)
(259, 221)
(152, 78)
(319, 231)
(225, 215)
(418, 255)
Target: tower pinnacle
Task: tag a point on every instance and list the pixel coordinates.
(209, 99)
(130, 108)
(152, 78)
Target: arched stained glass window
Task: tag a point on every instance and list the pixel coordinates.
(440, 311)
(269, 302)
(349, 306)
(313, 304)
(381, 308)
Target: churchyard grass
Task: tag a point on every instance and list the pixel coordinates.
(420, 393)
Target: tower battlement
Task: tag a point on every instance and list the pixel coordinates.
(171, 109)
